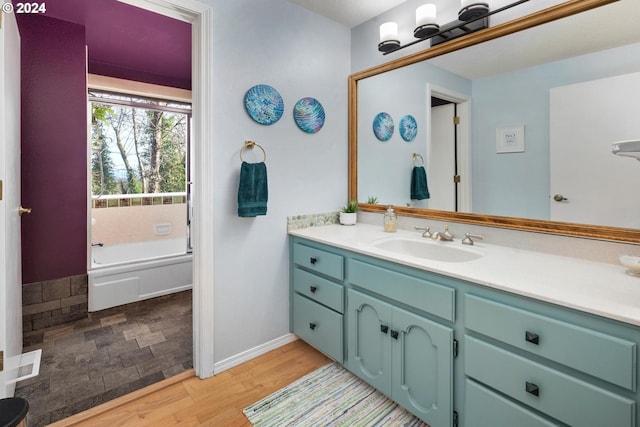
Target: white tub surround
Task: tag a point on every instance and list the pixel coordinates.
(122, 274)
(592, 287)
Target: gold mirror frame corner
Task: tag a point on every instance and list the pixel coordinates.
(562, 10)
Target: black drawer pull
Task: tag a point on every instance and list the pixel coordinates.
(313, 260)
(532, 338)
(384, 329)
(312, 326)
(531, 388)
(394, 334)
(313, 289)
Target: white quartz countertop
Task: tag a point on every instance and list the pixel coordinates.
(597, 288)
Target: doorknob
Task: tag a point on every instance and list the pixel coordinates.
(22, 211)
(559, 198)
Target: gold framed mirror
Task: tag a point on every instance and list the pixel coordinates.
(563, 10)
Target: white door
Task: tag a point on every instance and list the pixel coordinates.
(10, 267)
(585, 119)
(441, 159)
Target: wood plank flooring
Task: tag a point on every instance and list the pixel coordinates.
(217, 401)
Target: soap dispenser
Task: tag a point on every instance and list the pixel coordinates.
(390, 220)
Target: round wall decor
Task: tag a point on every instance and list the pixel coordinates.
(383, 126)
(308, 114)
(408, 128)
(264, 104)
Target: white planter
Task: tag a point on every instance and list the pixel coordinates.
(348, 218)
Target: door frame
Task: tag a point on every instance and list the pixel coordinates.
(463, 139)
(200, 16)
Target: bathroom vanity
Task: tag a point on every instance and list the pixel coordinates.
(470, 336)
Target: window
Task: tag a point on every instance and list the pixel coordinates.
(139, 145)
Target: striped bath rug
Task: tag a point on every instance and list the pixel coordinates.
(329, 396)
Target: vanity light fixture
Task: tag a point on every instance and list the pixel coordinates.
(473, 16)
(388, 37)
(472, 9)
(426, 24)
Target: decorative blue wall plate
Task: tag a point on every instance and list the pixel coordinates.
(308, 114)
(408, 128)
(264, 104)
(383, 126)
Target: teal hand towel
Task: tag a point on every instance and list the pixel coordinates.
(252, 191)
(419, 187)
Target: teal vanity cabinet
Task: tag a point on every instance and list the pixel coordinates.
(318, 298)
(521, 362)
(456, 353)
(404, 355)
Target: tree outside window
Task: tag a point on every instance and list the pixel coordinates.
(138, 145)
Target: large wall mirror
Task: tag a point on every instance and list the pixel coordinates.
(540, 101)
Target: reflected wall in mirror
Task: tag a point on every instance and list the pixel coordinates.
(572, 99)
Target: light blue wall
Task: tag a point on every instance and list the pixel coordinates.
(301, 54)
(517, 184)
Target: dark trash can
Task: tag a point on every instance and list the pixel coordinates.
(13, 412)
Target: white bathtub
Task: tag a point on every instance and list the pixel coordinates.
(121, 274)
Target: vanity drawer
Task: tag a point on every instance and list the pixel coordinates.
(320, 261)
(561, 396)
(483, 408)
(318, 289)
(418, 293)
(603, 356)
(319, 326)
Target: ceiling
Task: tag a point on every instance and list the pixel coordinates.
(602, 28)
(128, 42)
(348, 12)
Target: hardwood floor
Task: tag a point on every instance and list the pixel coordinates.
(186, 400)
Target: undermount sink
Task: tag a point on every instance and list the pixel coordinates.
(427, 249)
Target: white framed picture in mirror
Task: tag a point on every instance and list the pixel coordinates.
(510, 139)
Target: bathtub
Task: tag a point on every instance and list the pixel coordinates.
(125, 273)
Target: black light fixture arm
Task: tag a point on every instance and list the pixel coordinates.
(447, 31)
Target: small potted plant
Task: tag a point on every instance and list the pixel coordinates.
(348, 214)
(372, 200)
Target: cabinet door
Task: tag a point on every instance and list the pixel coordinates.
(369, 345)
(422, 356)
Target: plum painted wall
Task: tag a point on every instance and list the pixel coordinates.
(54, 153)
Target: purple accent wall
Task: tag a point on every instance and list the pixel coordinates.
(54, 148)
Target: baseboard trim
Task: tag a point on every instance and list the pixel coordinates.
(252, 353)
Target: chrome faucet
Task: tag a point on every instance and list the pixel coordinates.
(444, 236)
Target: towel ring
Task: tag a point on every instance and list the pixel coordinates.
(250, 145)
(415, 156)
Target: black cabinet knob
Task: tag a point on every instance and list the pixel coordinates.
(312, 325)
(532, 338)
(384, 329)
(313, 260)
(313, 289)
(531, 388)
(394, 334)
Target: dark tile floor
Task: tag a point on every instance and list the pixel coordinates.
(107, 355)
